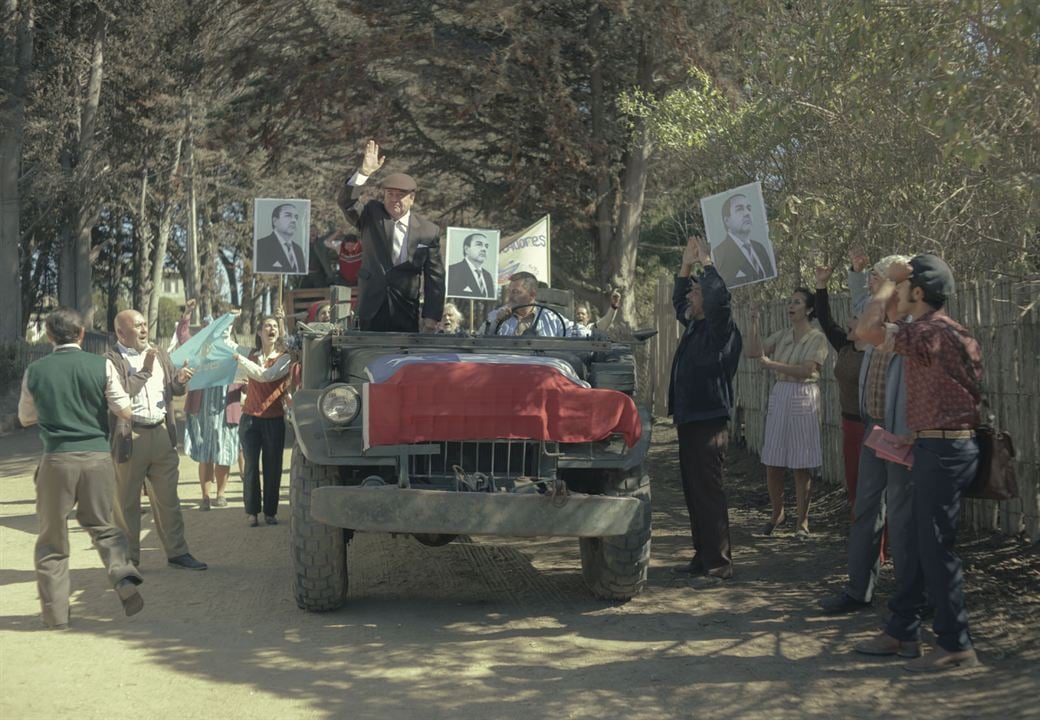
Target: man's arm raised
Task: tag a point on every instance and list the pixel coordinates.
(349, 197)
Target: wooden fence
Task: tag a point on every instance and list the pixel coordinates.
(1003, 316)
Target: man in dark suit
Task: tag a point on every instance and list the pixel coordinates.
(740, 259)
(279, 252)
(468, 277)
(401, 251)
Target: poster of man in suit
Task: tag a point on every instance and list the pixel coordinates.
(473, 263)
(735, 223)
(280, 236)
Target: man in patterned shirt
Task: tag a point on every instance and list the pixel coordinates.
(942, 371)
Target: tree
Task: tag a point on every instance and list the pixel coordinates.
(910, 127)
(16, 61)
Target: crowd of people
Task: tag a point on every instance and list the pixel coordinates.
(903, 366)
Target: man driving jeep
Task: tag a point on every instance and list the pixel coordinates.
(522, 316)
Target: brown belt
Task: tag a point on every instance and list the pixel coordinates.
(147, 426)
(945, 434)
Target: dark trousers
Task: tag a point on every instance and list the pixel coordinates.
(388, 321)
(261, 437)
(88, 481)
(702, 451)
(942, 470)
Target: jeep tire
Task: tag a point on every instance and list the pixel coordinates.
(615, 566)
(319, 551)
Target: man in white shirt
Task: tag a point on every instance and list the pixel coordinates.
(401, 252)
(145, 448)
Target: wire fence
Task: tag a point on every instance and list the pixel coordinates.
(1003, 316)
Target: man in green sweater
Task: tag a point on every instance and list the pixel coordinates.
(69, 393)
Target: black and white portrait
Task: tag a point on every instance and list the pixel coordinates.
(735, 223)
(280, 236)
(472, 263)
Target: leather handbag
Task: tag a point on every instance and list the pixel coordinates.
(995, 476)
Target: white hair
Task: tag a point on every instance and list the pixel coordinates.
(881, 266)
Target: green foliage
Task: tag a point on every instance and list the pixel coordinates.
(169, 315)
(689, 117)
(911, 127)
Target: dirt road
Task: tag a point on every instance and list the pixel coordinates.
(480, 629)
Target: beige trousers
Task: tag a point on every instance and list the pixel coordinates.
(87, 480)
(154, 461)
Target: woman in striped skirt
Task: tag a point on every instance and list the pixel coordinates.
(792, 438)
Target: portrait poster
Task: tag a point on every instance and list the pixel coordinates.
(735, 223)
(527, 250)
(471, 259)
(281, 235)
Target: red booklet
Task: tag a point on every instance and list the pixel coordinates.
(890, 447)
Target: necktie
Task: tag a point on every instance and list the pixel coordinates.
(749, 251)
(480, 283)
(291, 255)
(400, 242)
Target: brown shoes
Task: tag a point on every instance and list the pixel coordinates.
(941, 659)
(884, 645)
(126, 589)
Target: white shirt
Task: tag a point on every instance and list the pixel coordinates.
(115, 394)
(149, 404)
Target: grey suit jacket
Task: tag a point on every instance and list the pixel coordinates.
(735, 268)
(462, 281)
(271, 258)
(381, 282)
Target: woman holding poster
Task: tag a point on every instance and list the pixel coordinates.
(792, 438)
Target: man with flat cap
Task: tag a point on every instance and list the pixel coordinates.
(942, 365)
(401, 252)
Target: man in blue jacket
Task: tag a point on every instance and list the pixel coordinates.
(700, 399)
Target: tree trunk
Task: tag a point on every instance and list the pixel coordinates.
(600, 154)
(14, 75)
(162, 238)
(229, 269)
(192, 285)
(142, 248)
(75, 277)
(622, 264)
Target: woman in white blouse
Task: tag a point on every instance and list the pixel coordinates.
(792, 439)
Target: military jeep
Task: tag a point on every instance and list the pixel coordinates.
(455, 477)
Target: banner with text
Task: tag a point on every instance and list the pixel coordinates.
(527, 250)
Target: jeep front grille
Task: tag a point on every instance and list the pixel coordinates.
(497, 459)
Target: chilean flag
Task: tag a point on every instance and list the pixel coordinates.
(451, 401)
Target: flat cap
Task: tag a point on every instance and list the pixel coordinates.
(931, 273)
(400, 181)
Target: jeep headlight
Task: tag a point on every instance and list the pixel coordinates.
(340, 404)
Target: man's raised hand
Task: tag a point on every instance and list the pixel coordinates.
(859, 259)
(703, 251)
(372, 160)
(823, 275)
